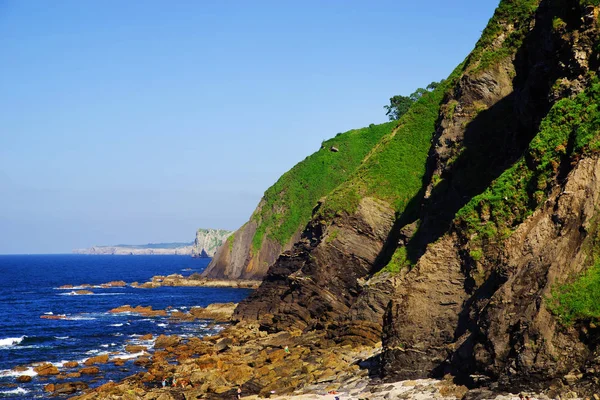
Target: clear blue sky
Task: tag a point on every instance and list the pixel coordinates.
(139, 121)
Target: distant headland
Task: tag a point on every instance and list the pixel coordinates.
(205, 245)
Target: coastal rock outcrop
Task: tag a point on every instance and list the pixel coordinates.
(208, 241)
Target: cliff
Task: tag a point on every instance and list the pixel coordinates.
(208, 241)
(466, 238)
(139, 250)
(286, 207)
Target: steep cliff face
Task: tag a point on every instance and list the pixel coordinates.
(462, 273)
(286, 207)
(208, 241)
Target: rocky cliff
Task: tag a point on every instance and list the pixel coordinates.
(287, 206)
(208, 241)
(466, 239)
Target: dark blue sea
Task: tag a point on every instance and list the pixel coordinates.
(29, 289)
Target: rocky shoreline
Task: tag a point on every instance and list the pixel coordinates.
(295, 364)
(285, 365)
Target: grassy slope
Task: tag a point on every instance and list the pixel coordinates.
(394, 170)
(288, 204)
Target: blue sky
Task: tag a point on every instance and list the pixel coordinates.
(140, 121)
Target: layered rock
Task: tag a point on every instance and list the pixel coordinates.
(286, 207)
(473, 294)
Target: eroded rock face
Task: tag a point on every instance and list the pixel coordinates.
(316, 283)
(235, 259)
(454, 314)
(208, 241)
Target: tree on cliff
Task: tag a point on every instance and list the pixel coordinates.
(399, 105)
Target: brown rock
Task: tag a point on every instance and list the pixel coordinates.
(135, 348)
(49, 387)
(101, 359)
(114, 284)
(60, 316)
(119, 362)
(69, 387)
(24, 379)
(73, 375)
(146, 337)
(142, 361)
(83, 292)
(46, 369)
(89, 371)
(145, 311)
(163, 341)
(71, 364)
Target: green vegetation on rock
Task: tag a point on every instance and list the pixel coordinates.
(512, 18)
(571, 129)
(579, 300)
(288, 204)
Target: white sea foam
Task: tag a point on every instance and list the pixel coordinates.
(128, 356)
(11, 372)
(162, 325)
(15, 391)
(11, 341)
(116, 324)
(61, 337)
(79, 318)
(49, 313)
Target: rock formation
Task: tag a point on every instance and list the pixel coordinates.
(208, 241)
(465, 276)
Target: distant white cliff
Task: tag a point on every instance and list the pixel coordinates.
(205, 245)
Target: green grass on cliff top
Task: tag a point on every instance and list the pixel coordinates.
(288, 204)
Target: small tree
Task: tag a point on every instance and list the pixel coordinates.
(399, 105)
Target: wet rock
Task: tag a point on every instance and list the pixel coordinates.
(71, 364)
(101, 359)
(135, 348)
(83, 292)
(24, 379)
(163, 341)
(69, 387)
(89, 371)
(144, 311)
(46, 369)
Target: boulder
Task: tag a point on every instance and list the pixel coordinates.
(71, 364)
(163, 341)
(83, 292)
(49, 387)
(101, 359)
(24, 379)
(135, 348)
(89, 371)
(46, 369)
(69, 387)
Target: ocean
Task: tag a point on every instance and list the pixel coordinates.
(29, 289)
